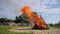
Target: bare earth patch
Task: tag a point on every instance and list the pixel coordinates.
(50, 31)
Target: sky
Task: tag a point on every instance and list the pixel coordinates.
(48, 9)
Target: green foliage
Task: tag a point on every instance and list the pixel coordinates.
(17, 19)
(6, 19)
(22, 19)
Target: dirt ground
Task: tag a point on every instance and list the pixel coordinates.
(49, 31)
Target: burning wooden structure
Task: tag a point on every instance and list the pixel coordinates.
(36, 19)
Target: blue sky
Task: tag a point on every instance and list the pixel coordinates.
(49, 9)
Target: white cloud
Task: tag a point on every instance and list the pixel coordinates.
(38, 5)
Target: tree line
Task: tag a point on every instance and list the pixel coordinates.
(18, 19)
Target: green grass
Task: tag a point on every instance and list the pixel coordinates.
(4, 30)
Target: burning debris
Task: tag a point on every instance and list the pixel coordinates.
(36, 19)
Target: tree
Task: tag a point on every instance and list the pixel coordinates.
(51, 24)
(17, 19)
(58, 24)
(22, 19)
(5, 21)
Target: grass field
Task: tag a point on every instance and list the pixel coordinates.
(51, 30)
(5, 30)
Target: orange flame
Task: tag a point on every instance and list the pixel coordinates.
(37, 20)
